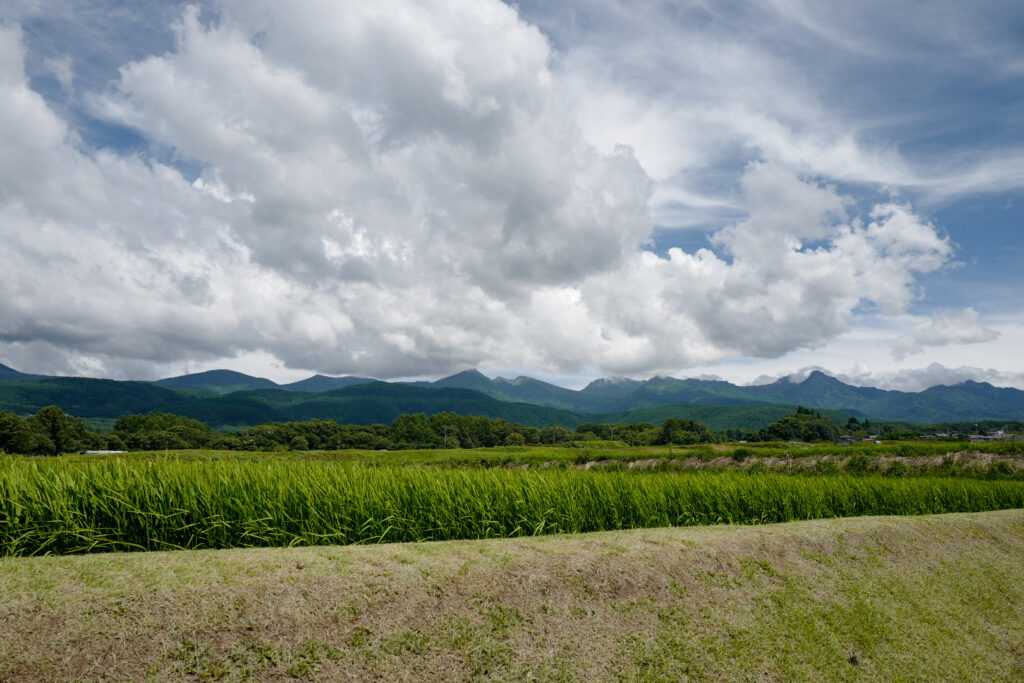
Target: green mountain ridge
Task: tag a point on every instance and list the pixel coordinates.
(9, 373)
(86, 397)
(320, 383)
(966, 401)
(213, 397)
(217, 381)
(377, 402)
(961, 402)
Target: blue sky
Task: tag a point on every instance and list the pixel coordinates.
(411, 189)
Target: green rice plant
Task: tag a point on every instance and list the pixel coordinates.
(75, 506)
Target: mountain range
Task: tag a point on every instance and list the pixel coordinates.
(966, 401)
(228, 398)
(228, 381)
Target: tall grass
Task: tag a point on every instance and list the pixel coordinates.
(57, 506)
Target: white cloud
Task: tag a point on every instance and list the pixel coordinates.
(798, 274)
(402, 188)
(919, 379)
(62, 70)
(836, 89)
(942, 329)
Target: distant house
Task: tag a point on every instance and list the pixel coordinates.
(845, 441)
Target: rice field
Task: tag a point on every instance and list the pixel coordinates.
(55, 506)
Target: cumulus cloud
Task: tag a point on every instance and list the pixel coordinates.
(394, 189)
(789, 284)
(941, 329)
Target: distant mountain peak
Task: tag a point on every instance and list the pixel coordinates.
(219, 381)
(812, 375)
(219, 372)
(467, 379)
(610, 381)
(819, 376)
(518, 381)
(320, 382)
(471, 372)
(9, 373)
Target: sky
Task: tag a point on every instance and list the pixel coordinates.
(566, 190)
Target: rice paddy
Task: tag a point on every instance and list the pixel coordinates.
(63, 506)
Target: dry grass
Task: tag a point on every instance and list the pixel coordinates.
(889, 598)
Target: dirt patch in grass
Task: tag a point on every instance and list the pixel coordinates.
(598, 464)
(908, 598)
(645, 464)
(966, 461)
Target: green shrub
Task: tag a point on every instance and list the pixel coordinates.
(827, 467)
(741, 454)
(702, 453)
(859, 464)
(896, 469)
(999, 470)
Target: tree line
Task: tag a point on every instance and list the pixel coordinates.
(51, 432)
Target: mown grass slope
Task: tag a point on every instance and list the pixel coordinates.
(873, 599)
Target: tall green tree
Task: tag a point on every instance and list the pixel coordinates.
(18, 436)
(682, 431)
(804, 425)
(414, 431)
(555, 434)
(66, 433)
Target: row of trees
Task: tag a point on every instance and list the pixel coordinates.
(51, 432)
(48, 432)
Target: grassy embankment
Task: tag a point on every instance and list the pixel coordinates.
(872, 599)
(54, 505)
